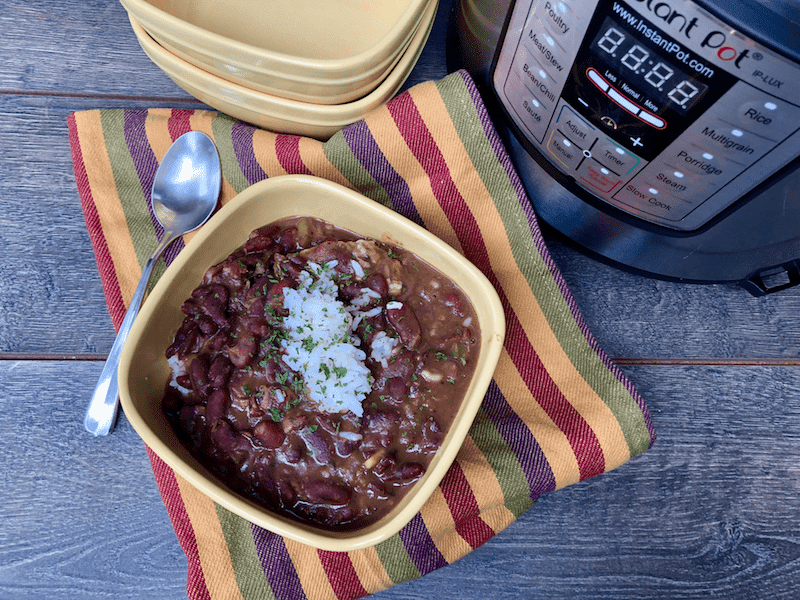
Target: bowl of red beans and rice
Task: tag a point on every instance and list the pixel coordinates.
(313, 361)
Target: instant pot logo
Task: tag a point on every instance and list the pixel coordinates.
(706, 32)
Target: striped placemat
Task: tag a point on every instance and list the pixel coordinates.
(557, 412)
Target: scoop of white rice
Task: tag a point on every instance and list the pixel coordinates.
(318, 343)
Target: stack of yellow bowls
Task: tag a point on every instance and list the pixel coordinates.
(291, 66)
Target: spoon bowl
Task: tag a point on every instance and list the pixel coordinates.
(185, 193)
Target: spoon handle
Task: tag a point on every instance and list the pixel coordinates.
(102, 411)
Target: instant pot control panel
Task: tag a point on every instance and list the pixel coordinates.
(655, 107)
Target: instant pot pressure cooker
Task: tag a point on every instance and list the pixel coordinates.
(660, 135)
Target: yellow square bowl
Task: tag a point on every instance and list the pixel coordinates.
(324, 52)
(144, 371)
(277, 113)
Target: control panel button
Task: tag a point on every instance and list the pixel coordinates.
(557, 15)
(678, 183)
(598, 177)
(560, 21)
(564, 151)
(575, 127)
(768, 117)
(543, 46)
(732, 142)
(610, 154)
(701, 162)
(651, 201)
(530, 111)
(535, 78)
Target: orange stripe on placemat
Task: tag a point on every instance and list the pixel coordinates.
(480, 476)
(440, 525)
(212, 548)
(109, 207)
(342, 575)
(160, 131)
(317, 163)
(370, 570)
(202, 120)
(553, 442)
(167, 483)
(266, 154)
(105, 264)
(498, 517)
(391, 143)
(310, 572)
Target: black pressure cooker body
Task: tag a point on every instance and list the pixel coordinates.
(663, 136)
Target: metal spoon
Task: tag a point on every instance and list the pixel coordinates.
(185, 193)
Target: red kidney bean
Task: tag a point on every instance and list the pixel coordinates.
(172, 401)
(243, 350)
(380, 420)
(259, 242)
(259, 288)
(401, 365)
(276, 292)
(198, 373)
(325, 492)
(397, 387)
(288, 239)
(217, 406)
(404, 473)
(188, 328)
(269, 434)
(454, 302)
(191, 344)
(377, 489)
(294, 452)
(431, 435)
(192, 422)
(219, 371)
(269, 231)
(207, 325)
(406, 324)
(223, 436)
(331, 250)
(344, 447)
(213, 301)
(319, 445)
(385, 465)
(377, 283)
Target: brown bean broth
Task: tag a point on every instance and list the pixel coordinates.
(233, 404)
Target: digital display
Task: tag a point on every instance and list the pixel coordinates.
(645, 71)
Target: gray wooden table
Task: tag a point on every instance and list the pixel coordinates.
(712, 510)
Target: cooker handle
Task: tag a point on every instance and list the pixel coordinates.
(774, 279)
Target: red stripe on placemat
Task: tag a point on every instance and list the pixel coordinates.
(581, 437)
(179, 122)
(464, 507)
(196, 586)
(420, 141)
(105, 266)
(287, 149)
(341, 574)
